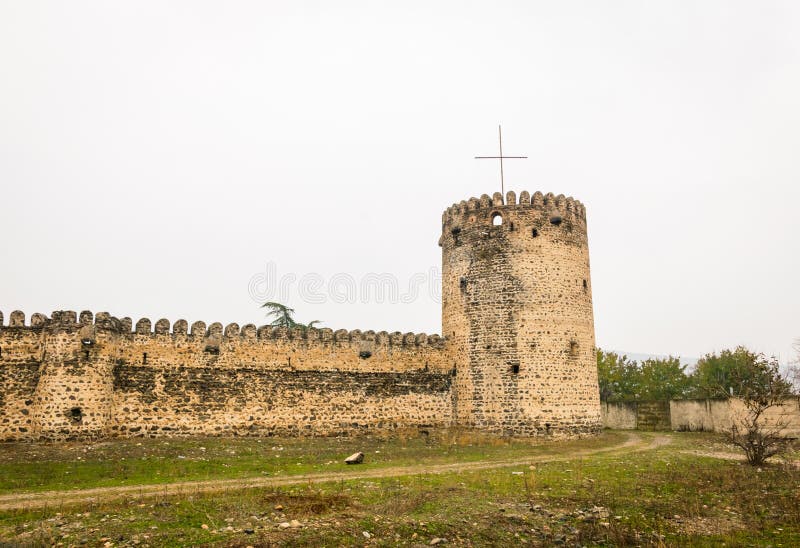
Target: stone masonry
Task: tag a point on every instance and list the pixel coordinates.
(517, 314)
(516, 356)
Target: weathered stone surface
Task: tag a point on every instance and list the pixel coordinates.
(517, 314)
(355, 458)
(516, 356)
(153, 383)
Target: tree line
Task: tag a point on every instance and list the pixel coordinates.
(716, 375)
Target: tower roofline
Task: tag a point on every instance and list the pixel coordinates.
(566, 205)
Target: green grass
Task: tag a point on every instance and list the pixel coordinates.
(666, 496)
(39, 467)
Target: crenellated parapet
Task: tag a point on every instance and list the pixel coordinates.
(61, 318)
(566, 205)
(538, 208)
(162, 342)
(69, 319)
(560, 219)
(82, 375)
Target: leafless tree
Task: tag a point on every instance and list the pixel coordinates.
(761, 387)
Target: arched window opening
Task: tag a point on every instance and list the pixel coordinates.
(497, 219)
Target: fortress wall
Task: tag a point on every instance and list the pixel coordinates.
(247, 400)
(84, 380)
(277, 381)
(279, 348)
(519, 358)
(20, 365)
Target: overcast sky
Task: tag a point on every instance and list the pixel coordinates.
(181, 159)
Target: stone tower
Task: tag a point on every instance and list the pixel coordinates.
(517, 314)
(73, 396)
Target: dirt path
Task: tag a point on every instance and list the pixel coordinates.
(715, 454)
(724, 455)
(17, 501)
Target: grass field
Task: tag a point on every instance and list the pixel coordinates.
(38, 467)
(617, 489)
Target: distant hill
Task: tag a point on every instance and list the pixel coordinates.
(640, 357)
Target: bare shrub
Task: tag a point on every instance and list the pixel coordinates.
(761, 387)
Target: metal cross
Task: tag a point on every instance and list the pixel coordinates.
(501, 157)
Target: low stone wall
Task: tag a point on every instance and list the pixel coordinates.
(636, 415)
(618, 415)
(653, 415)
(694, 415)
(700, 415)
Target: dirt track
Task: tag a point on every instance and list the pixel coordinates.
(724, 455)
(16, 501)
